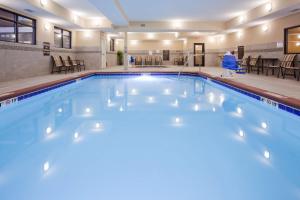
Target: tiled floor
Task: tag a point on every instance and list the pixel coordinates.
(286, 87)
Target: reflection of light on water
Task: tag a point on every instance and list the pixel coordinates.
(76, 135)
(49, 130)
(97, 125)
(118, 93)
(184, 95)
(241, 133)
(145, 77)
(211, 97)
(175, 103)
(214, 109)
(121, 109)
(129, 104)
(46, 166)
(60, 110)
(167, 92)
(177, 121)
(264, 125)
(87, 110)
(150, 100)
(239, 110)
(134, 92)
(196, 107)
(267, 154)
(222, 99)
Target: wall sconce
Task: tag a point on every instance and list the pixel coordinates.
(177, 24)
(242, 19)
(239, 34)
(47, 27)
(269, 7)
(87, 34)
(44, 3)
(167, 42)
(298, 44)
(265, 28)
(133, 42)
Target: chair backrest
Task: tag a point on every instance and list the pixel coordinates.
(288, 60)
(65, 61)
(254, 61)
(245, 61)
(57, 61)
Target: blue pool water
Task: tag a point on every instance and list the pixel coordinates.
(147, 138)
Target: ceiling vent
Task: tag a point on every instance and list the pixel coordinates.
(143, 25)
(29, 10)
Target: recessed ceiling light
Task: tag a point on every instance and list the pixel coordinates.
(44, 2)
(269, 7)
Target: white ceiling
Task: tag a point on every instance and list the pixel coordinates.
(191, 10)
(81, 7)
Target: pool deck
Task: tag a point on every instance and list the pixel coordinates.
(282, 90)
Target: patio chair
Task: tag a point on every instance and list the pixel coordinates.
(158, 60)
(74, 63)
(277, 67)
(66, 63)
(57, 65)
(254, 64)
(289, 66)
(148, 60)
(138, 61)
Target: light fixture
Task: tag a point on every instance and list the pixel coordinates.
(265, 28)
(60, 110)
(150, 35)
(267, 154)
(239, 110)
(241, 19)
(47, 26)
(87, 34)
(87, 110)
(298, 44)
(239, 34)
(269, 7)
(76, 135)
(177, 24)
(134, 42)
(44, 2)
(46, 166)
(167, 42)
(49, 130)
(298, 36)
(264, 125)
(241, 133)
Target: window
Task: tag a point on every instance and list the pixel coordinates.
(17, 28)
(292, 40)
(62, 38)
(112, 45)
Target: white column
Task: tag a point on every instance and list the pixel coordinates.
(125, 51)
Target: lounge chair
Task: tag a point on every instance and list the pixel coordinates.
(138, 61)
(57, 65)
(67, 64)
(148, 60)
(278, 66)
(254, 64)
(81, 64)
(158, 60)
(289, 66)
(74, 63)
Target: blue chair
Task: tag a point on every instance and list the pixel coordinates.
(230, 62)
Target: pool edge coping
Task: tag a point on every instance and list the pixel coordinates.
(288, 104)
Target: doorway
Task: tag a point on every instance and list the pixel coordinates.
(199, 54)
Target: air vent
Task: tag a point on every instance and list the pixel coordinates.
(29, 10)
(295, 10)
(143, 25)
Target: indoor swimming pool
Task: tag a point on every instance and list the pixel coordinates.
(143, 137)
